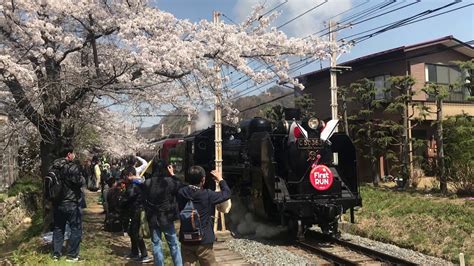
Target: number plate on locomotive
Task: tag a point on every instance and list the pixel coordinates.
(309, 143)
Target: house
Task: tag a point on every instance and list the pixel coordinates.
(429, 61)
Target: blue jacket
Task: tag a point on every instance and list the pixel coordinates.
(204, 201)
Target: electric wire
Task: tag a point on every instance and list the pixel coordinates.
(302, 14)
(367, 11)
(379, 15)
(369, 65)
(395, 25)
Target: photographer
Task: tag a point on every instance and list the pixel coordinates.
(199, 247)
(162, 210)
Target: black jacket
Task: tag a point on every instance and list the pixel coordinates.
(160, 200)
(204, 201)
(131, 200)
(73, 181)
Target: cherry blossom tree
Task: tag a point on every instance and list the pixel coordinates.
(58, 58)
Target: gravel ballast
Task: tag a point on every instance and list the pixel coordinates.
(407, 254)
(265, 252)
(259, 253)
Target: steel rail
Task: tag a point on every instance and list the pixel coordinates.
(374, 254)
(325, 254)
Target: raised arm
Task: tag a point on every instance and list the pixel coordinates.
(143, 165)
(224, 194)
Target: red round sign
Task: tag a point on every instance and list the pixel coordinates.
(321, 177)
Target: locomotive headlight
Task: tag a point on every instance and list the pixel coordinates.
(313, 123)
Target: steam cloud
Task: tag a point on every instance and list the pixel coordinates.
(247, 225)
(204, 120)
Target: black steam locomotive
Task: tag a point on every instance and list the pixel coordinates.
(295, 172)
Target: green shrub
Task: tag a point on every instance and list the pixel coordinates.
(25, 185)
(459, 152)
(431, 224)
(3, 197)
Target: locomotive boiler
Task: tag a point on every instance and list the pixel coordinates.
(297, 172)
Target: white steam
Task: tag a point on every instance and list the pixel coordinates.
(204, 120)
(246, 224)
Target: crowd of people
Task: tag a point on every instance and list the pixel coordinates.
(138, 205)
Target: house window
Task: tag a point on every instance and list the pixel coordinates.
(382, 83)
(446, 75)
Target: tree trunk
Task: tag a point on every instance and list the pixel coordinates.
(440, 149)
(346, 122)
(375, 178)
(405, 154)
(49, 151)
(375, 173)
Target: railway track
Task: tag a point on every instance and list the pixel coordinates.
(342, 252)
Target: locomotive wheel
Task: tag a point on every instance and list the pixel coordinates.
(292, 226)
(331, 229)
(295, 231)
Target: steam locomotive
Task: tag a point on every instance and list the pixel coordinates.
(297, 172)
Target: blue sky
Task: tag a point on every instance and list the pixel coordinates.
(459, 23)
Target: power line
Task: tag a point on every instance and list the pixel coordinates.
(385, 13)
(378, 6)
(302, 14)
(330, 18)
(402, 22)
(369, 65)
(275, 8)
(394, 25)
(414, 21)
(267, 102)
(284, 24)
(291, 20)
(266, 13)
(224, 15)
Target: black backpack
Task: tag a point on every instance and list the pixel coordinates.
(54, 183)
(113, 218)
(191, 226)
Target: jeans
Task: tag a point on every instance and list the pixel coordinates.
(72, 215)
(171, 238)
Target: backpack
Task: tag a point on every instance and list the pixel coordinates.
(53, 183)
(191, 226)
(113, 218)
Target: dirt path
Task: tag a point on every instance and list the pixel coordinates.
(99, 245)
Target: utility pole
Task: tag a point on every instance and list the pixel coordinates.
(440, 145)
(333, 71)
(162, 130)
(220, 230)
(218, 114)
